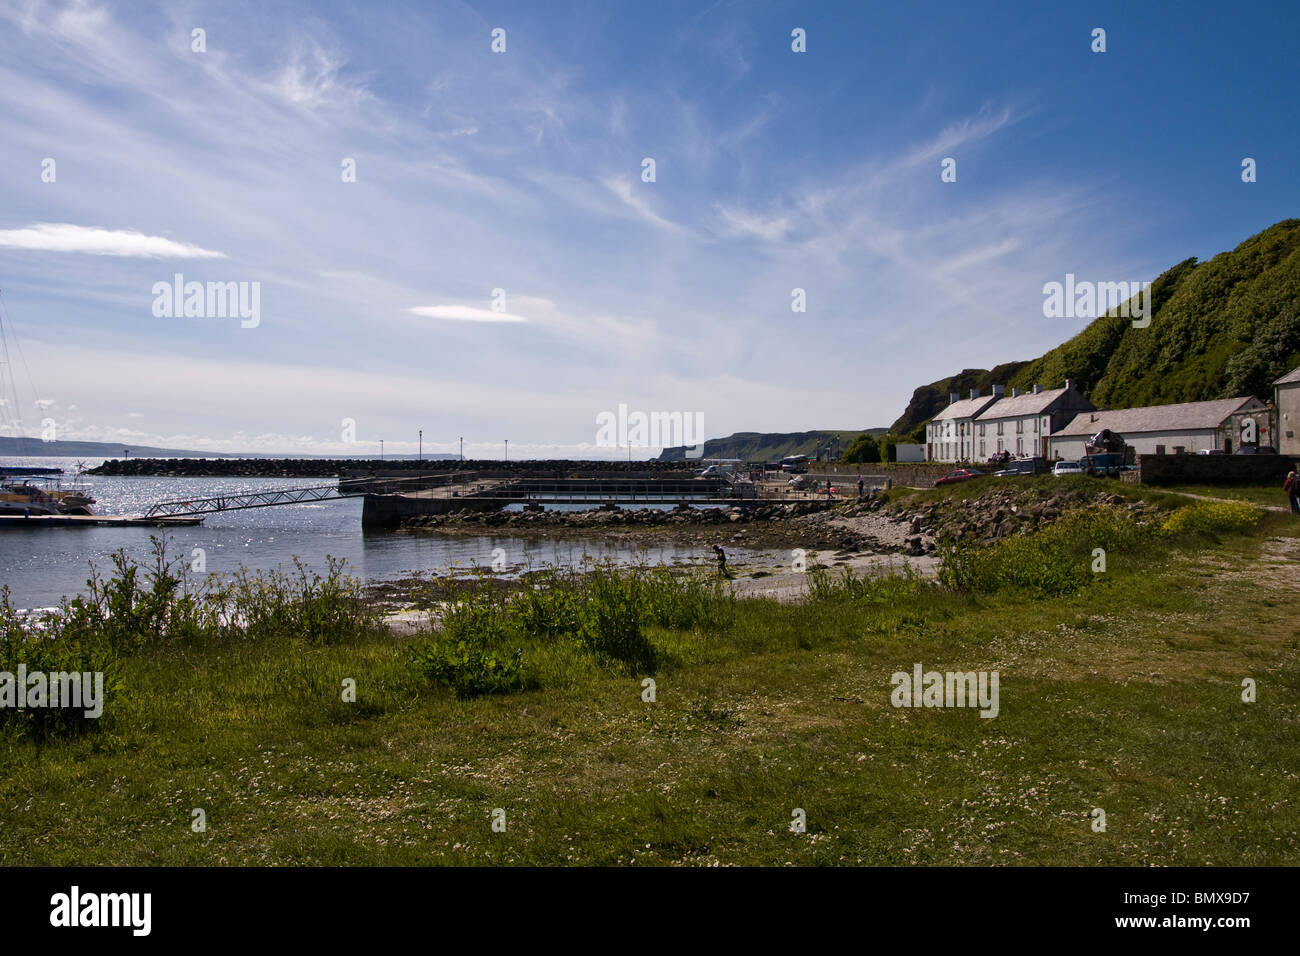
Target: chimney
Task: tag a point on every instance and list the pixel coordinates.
(1037, 389)
(999, 391)
(974, 394)
(1068, 384)
(1015, 392)
(953, 398)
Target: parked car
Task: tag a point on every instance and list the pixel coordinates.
(1023, 466)
(1255, 450)
(1211, 451)
(961, 474)
(1067, 468)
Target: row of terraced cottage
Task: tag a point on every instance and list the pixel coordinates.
(1057, 423)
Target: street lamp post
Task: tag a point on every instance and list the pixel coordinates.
(507, 449)
(381, 449)
(462, 449)
(420, 459)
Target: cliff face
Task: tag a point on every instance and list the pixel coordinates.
(928, 400)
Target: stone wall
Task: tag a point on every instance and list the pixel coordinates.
(1214, 469)
(389, 511)
(911, 474)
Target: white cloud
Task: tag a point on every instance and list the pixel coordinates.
(740, 223)
(623, 189)
(66, 237)
(465, 313)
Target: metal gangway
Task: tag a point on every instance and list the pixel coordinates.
(343, 488)
(252, 499)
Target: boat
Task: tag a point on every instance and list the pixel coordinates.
(43, 495)
(32, 490)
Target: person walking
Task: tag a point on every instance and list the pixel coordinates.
(722, 561)
(861, 481)
(1292, 488)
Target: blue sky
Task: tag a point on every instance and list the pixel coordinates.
(521, 171)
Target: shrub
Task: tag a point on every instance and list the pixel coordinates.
(52, 644)
(683, 599)
(1212, 517)
(548, 608)
(897, 587)
(1055, 560)
(306, 606)
(470, 655)
(611, 620)
(469, 670)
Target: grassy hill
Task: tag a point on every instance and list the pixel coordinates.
(772, 446)
(1219, 329)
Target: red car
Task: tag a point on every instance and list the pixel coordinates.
(961, 474)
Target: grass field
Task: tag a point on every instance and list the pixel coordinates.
(1125, 696)
(1262, 495)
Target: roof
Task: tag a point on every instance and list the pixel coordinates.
(1030, 403)
(1290, 378)
(966, 408)
(1157, 418)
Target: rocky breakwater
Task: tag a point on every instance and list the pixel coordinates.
(610, 515)
(814, 525)
(361, 467)
(999, 514)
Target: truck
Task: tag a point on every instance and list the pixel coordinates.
(1106, 455)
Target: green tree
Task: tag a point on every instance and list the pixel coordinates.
(863, 448)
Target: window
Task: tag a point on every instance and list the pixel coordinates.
(999, 445)
(1020, 446)
(982, 446)
(1160, 449)
(981, 430)
(1020, 425)
(999, 432)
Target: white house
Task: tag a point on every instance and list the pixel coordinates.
(948, 437)
(1222, 425)
(1022, 423)
(1286, 397)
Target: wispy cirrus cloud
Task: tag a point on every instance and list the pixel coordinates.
(626, 193)
(465, 313)
(740, 222)
(67, 237)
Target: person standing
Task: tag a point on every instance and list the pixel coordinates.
(861, 481)
(1292, 488)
